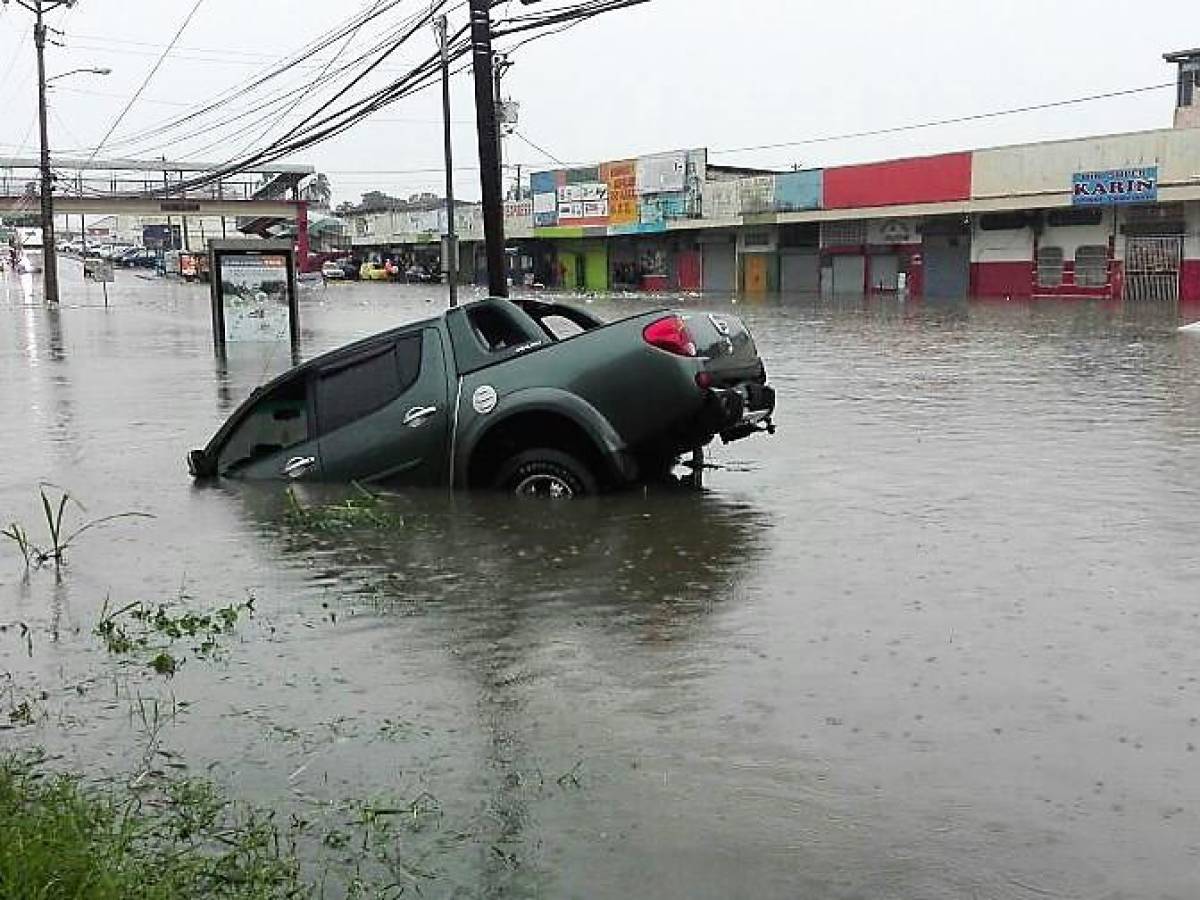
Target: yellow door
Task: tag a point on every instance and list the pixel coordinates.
(756, 273)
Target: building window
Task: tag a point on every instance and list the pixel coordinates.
(1011, 221)
(1083, 215)
(1091, 266)
(1050, 266)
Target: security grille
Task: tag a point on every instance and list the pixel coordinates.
(1091, 266)
(1050, 266)
(1152, 266)
(843, 234)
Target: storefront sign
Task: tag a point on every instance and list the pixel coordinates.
(1113, 186)
(893, 231)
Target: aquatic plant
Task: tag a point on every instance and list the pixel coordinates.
(139, 627)
(36, 555)
(362, 510)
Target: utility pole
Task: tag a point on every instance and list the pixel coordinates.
(450, 250)
(489, 147)
(49, 251)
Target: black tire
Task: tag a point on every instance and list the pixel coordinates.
(547, 473)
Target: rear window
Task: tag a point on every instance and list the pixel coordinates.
(356, 387)
(495, 329)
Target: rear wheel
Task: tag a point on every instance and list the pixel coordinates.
(546, 473)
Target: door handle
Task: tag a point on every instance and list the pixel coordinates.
(298, 465)
(417, 416)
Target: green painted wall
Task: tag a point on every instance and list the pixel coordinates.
(596, 267)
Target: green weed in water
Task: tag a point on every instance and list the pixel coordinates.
(363, 510)
(36, 555)
(154, 629)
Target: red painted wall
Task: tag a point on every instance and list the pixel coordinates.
(930, 179)
(689, 268)
(1002, 279)
(1189, 281)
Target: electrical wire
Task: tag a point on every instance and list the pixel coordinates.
(419, 78)
(146, 80)
(936, 123)
(546, 153)
(262, 107)
(374, 4)
(267, 75)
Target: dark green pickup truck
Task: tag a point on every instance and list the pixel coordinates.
(527, 396)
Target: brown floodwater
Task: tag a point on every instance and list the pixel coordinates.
(937, 638)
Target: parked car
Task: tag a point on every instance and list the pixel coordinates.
(370, 271)
(333, 271)
(530, 397)
(138, 259)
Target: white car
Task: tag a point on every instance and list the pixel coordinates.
(332, 270)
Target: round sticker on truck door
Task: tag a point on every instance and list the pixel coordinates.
(484, 399)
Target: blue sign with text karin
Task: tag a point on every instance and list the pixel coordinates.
(1116, 186)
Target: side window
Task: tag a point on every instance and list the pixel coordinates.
(1050, 266)
(277, 421)
(1091, 266)
(356, 387)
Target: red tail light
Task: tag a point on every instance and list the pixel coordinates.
(670, 334)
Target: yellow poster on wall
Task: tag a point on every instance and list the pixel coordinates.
(622, 191)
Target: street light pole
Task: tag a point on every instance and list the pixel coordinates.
(49, 249)
(451, 249)
(489, 147)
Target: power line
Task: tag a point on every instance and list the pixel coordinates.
(417, 79)
(146, 80)
(956, 120)
(264, 105)
(374, 4)
(546, 153)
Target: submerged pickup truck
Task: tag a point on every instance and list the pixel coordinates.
(530, 397)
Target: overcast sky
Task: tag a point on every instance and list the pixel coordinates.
(721, 74)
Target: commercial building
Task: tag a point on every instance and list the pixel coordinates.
(1112, 216)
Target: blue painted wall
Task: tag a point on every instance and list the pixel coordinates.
(795, 191)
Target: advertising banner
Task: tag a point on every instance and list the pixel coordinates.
(621, 177)
(253, 292)
(100, 270)
(1113, 186)
(584, 203)
(663, 173)
(161, 237)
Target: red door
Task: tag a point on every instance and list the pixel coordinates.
(690, 268)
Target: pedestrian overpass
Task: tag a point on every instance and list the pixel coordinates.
(257, 199)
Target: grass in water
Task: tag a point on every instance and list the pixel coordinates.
(62, 838)
(363, 510)
(60, 539)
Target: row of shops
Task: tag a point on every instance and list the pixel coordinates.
(1137, 251)
(1113, 216)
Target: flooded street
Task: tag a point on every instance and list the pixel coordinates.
(937, 638)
